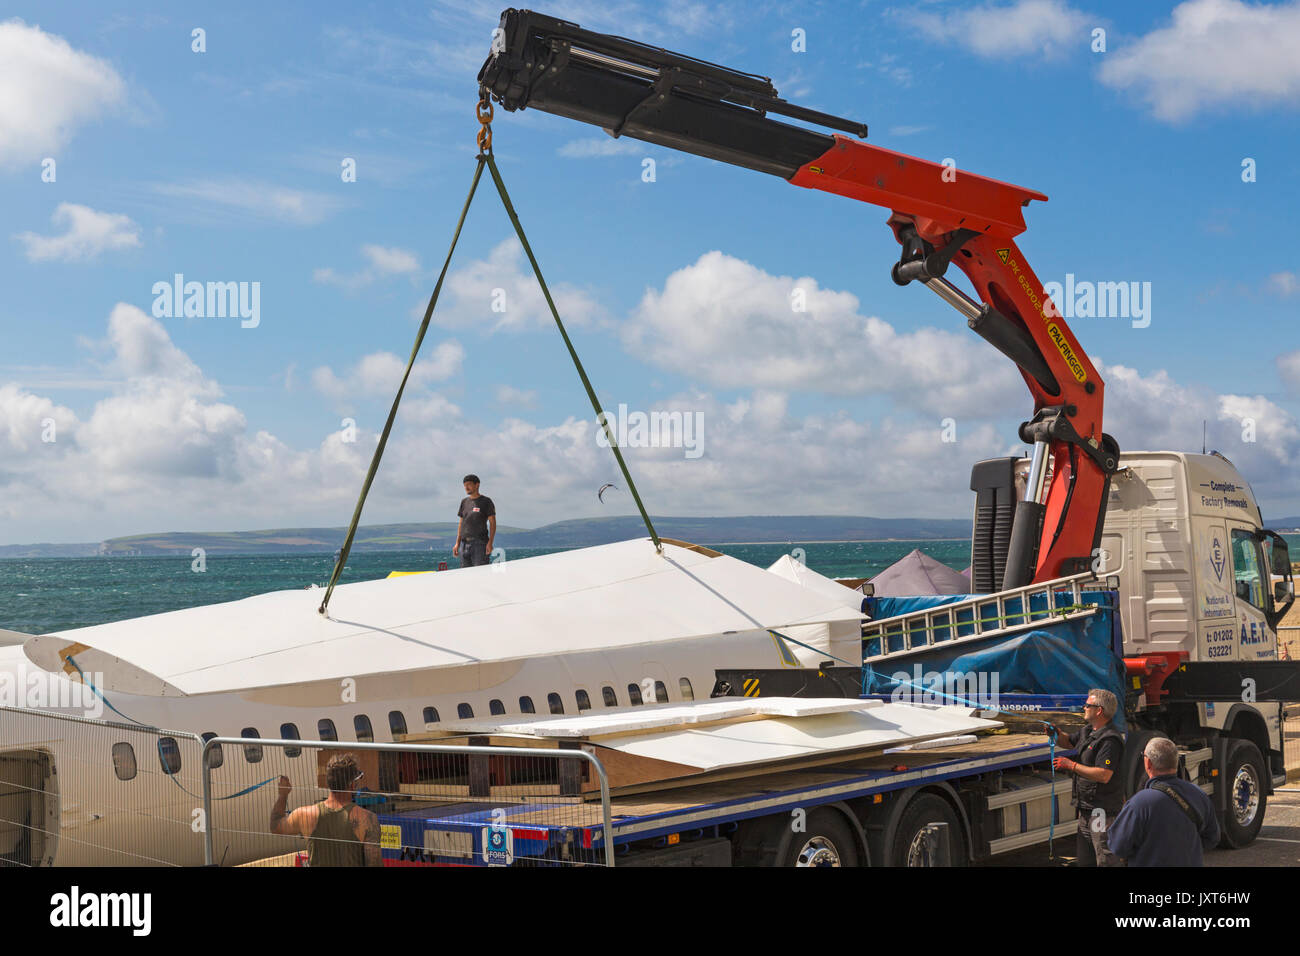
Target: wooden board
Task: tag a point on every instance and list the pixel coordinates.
(692, 794)
(654, 718)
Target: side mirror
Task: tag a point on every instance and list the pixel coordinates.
(1279, 556)
(1279, 561)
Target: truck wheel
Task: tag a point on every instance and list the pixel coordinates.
(909, 838)
(827, 842)
(1244, 776)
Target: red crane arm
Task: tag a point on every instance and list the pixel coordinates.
(939, 214)
(934, 202)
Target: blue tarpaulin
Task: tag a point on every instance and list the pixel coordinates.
(1050, 658)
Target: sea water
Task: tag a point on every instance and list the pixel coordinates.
(40, 595)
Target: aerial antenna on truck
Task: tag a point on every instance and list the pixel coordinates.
(1204, 434)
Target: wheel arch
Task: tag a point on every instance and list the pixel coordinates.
(851, 820)
(883, 834)
(752, 839)
(1247, 723)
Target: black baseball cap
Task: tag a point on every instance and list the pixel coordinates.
(473, 478)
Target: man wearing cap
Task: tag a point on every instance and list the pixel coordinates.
(478, 526)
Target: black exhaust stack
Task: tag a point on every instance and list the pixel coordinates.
(994, 484)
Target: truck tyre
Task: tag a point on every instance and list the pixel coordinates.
(1244, 776)
(1131, 768)
(827, 841)
(908, 846)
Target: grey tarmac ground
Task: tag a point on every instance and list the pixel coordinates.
(1278, 843)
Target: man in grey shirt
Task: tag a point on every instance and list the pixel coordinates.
(478, 526)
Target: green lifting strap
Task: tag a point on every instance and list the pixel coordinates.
(577, 363)
(392, 413)
(488, 160)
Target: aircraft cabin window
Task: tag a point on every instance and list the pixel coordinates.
(215, 757)
(252, 752)
(124, 761)
(553, 701)
(431, 715)
(661, 692)
(325, 729)
(464, 711)
(688, 692)
(396, 723)
(584, 701)
(496, 707)
(526, 706)
(169, 754)
(290, 732)
(634, 694)
(611, 698)
(365, 732)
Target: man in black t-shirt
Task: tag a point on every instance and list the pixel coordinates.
(478, 526)
(1098, 791)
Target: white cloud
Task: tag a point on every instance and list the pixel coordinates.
(25, 419)
(1284, 284)
(382, 261)
(163, 451)
(389, 260)
(727, 323)
(87, 233)
(889, 67)
(378, 374)
(256, 199)
(503, 291)
(759, 458)
(47, 90)
(509, 395)
(1288, 366)
(599, 146)
(1214, 54)
(1153, 411)
(142, 350)
(1037, 28)
(168, 450)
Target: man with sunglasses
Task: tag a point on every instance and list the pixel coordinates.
(1097, 790)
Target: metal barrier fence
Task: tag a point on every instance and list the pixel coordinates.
(415, 804)
(1291, 741)
(1288, 642)
(91, 792)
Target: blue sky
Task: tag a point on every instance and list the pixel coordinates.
(225, 165)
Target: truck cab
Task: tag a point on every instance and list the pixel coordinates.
(1184, 536)
(1200, 580)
